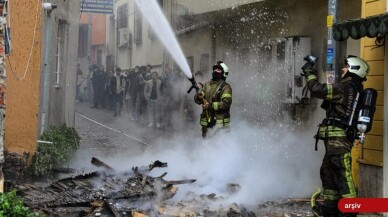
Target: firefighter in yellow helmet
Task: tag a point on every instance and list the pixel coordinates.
(337, 131)
(215, 97)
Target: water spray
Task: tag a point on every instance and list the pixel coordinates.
(155, 17)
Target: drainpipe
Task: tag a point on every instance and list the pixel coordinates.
(332, 45)
(46, 74)
(2, 111)
(90, 20)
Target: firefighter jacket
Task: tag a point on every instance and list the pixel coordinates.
(339, 99)
(218, 94)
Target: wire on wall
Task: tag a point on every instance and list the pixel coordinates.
(38, 5)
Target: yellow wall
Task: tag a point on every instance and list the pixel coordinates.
(23, 77)
(372, 149)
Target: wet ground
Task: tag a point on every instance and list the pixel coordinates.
(104, 136)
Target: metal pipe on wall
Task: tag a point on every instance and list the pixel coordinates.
(46, 74)
(332, 45)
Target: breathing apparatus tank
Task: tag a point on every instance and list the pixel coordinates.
(367, 110)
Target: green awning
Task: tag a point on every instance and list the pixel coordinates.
(358, 28)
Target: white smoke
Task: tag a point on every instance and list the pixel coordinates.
(268, 163)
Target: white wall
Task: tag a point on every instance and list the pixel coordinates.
(147, 52)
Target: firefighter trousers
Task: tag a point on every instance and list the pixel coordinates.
(336, 173)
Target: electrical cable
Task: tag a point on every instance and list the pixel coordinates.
(142, 141)
(32, 44)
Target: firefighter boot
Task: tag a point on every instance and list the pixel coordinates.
(325, 211)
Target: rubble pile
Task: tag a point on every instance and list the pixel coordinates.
(135, 193)
(106, 192)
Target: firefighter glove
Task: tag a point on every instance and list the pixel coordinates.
(206, 106)
(307, 69)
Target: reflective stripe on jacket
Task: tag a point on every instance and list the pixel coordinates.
(340, 97)
(219, 95)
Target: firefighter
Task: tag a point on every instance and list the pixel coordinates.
(337, 131)
(215, 96)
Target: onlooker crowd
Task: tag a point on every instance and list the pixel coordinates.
(144, 95)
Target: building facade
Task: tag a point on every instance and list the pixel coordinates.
(42, 66)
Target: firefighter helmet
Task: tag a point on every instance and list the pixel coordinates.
(224, 68)
(358, 66)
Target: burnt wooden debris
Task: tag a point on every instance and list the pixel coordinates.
(105, 192)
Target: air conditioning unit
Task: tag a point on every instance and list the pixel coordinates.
(295, 49)
(125, 38)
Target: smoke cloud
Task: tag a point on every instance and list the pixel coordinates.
(267, 152)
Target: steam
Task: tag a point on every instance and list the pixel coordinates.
(266, 153)
(269, 163)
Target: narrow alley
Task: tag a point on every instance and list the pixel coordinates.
(196, 107)
(104, 136)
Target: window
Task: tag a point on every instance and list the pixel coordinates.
(204, 63)
(122, 26)
(190, 61)
(122, 16)
(83, 40)
(138, 28)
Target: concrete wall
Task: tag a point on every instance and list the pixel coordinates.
(23, 77)
(202, 39)
(61, 27)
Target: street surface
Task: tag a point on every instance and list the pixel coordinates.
(104, 136)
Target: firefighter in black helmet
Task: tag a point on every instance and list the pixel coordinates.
(337, 131)
(215, 97)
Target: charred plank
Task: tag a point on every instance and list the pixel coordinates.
(98, 163)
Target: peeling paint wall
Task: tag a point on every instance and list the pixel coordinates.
(59, 64)
(24, 76)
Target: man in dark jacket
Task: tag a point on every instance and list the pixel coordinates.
(337, 131)
(117, 87)
(98, 80)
